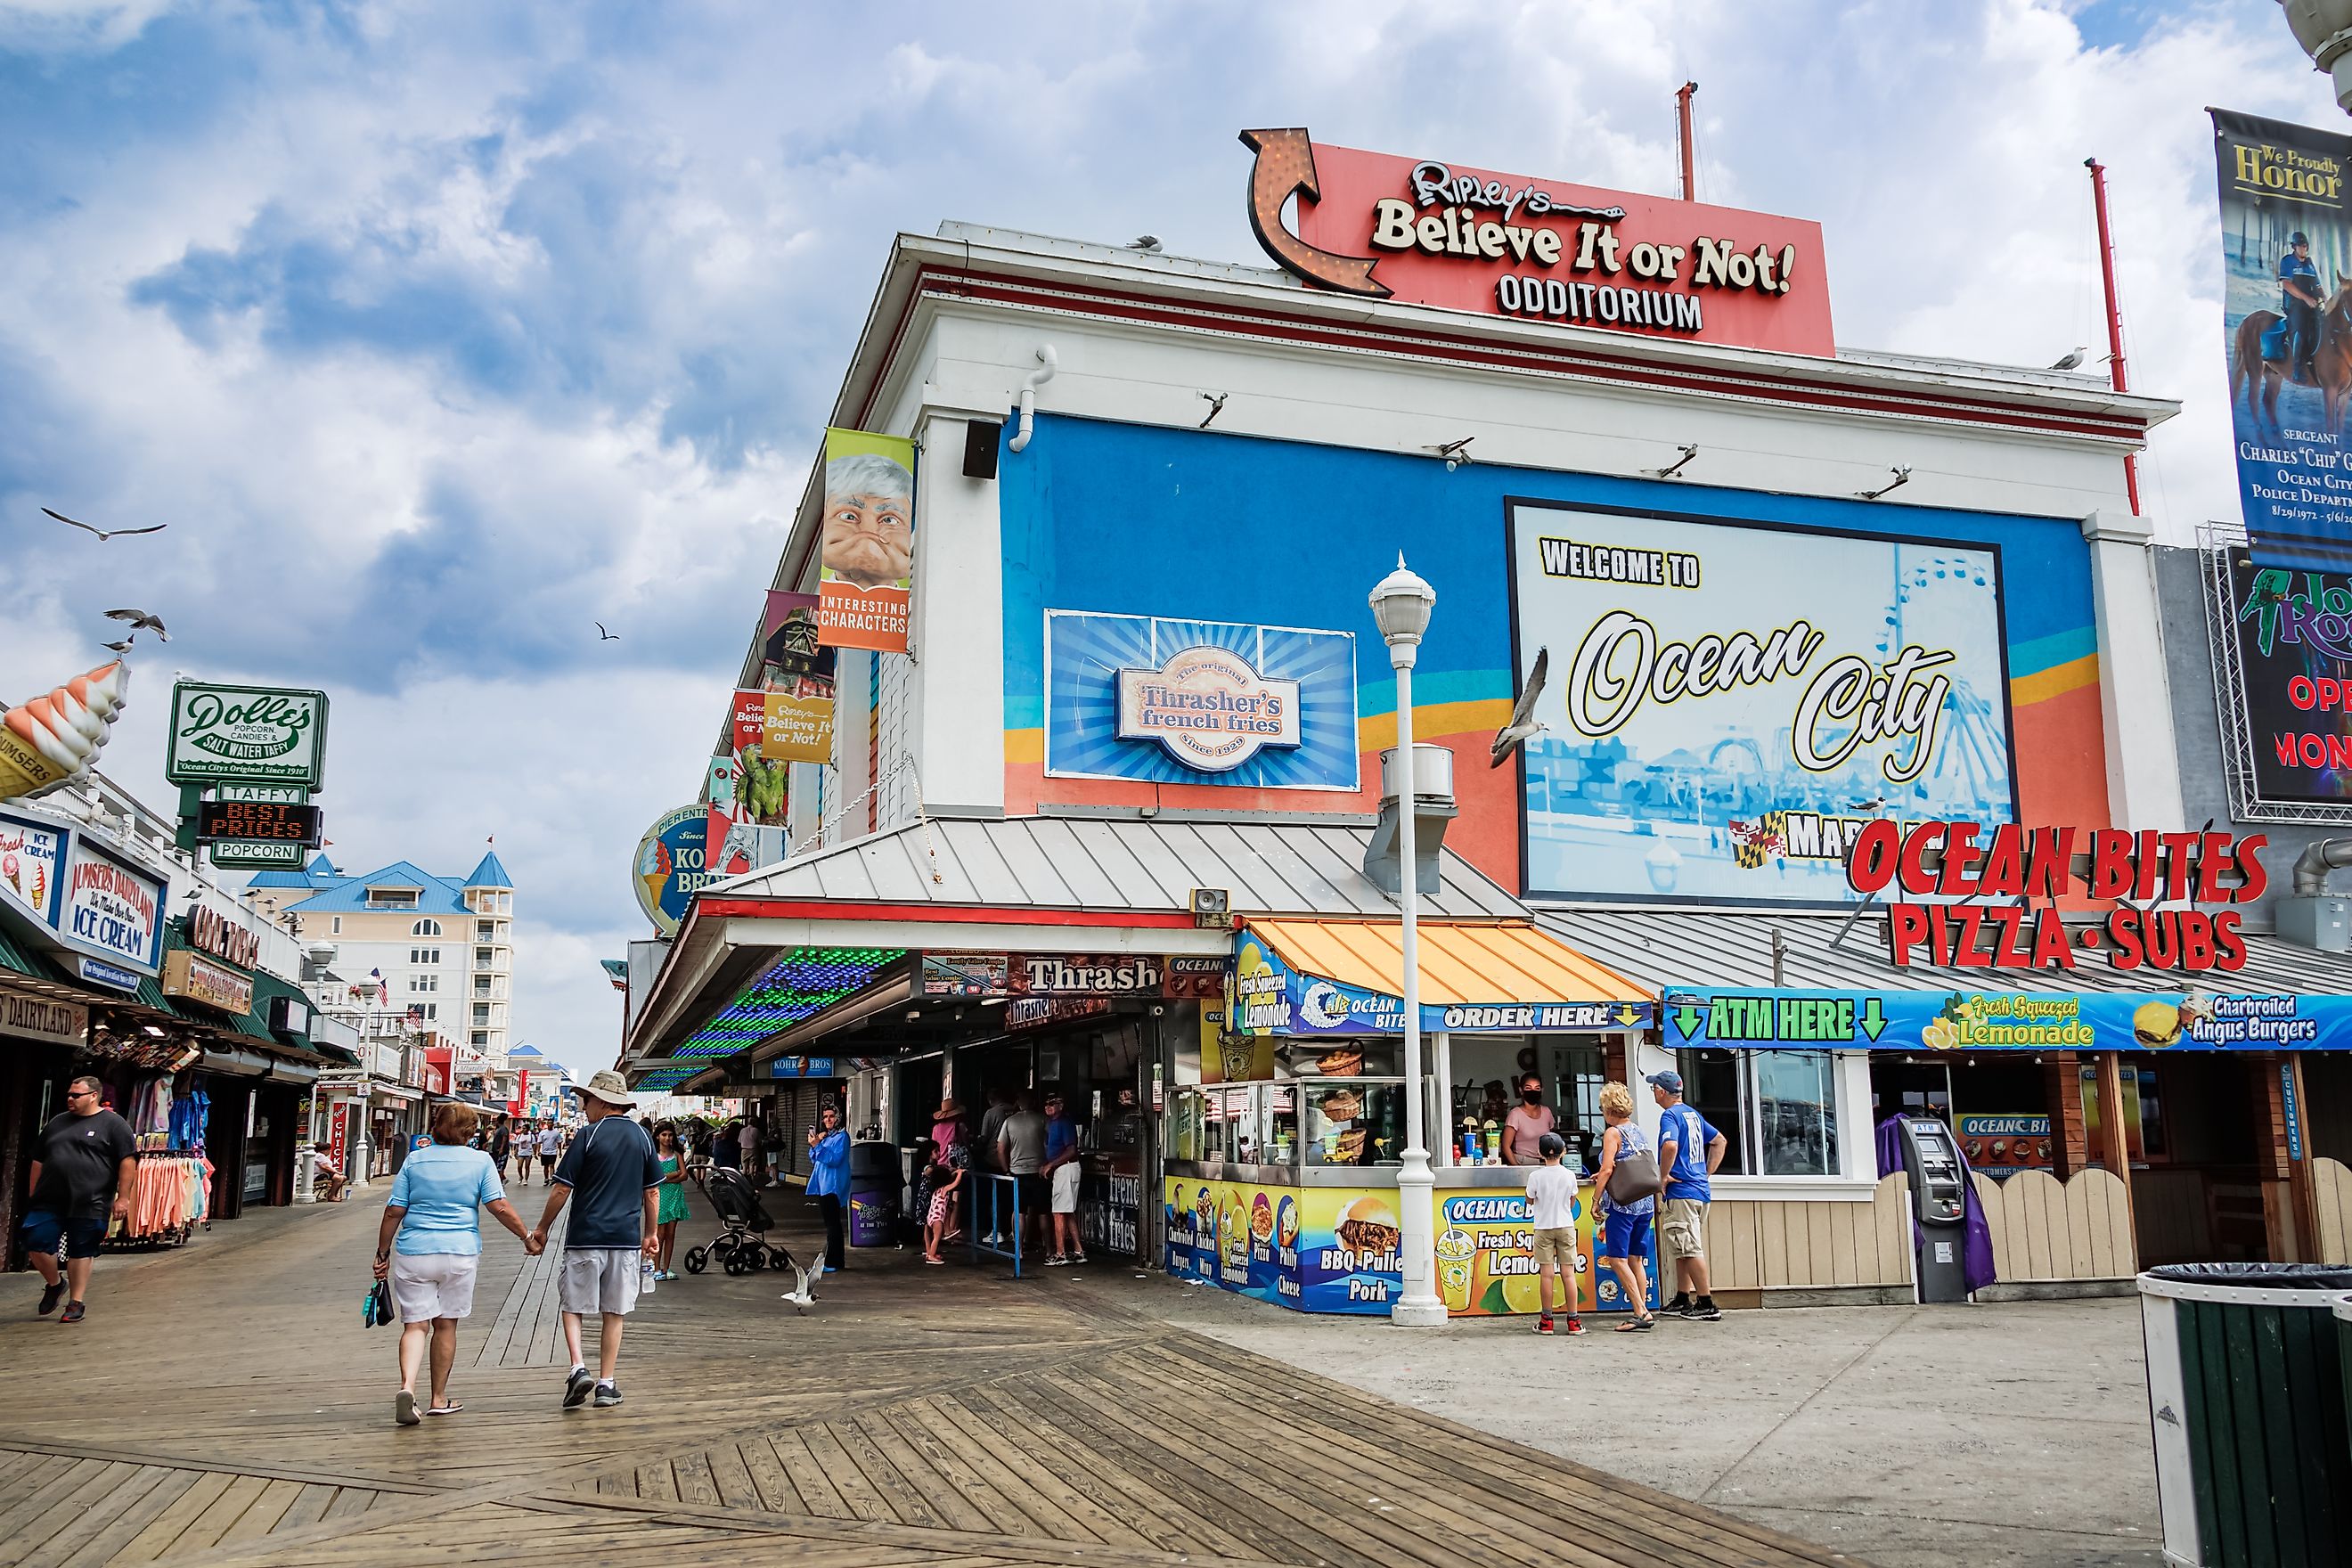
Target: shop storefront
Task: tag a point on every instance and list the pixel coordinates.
(1754, 595)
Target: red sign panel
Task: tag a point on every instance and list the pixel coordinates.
(1432, 233)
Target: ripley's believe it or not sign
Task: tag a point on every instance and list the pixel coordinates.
(1428, 232)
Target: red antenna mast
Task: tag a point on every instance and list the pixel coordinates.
(1682, 129)
(2114, 312)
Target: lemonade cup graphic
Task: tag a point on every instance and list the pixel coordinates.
(1238, 1053)
(1456, 1249)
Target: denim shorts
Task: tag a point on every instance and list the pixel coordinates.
(43, 1227)
(1627, 1235)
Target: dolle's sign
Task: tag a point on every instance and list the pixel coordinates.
(1985, 863)
(245, 734)
(1208, 708)
(1473, 239)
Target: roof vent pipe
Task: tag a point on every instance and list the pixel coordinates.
(2319, 857)
(1048, 361)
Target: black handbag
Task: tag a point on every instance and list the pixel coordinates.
(377, 1309)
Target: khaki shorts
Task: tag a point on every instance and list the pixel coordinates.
(599, 1280)
(1556, 1247)
(1683, 1222)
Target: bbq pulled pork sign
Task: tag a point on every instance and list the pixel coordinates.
(1437, 232)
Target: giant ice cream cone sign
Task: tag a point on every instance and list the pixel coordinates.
(55, 737)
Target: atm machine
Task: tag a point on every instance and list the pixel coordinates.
(1939, 1208)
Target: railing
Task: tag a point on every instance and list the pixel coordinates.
(990, 1195)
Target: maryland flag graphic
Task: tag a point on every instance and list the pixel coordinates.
(1760, 840)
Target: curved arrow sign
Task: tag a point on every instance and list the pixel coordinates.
(1286, 162)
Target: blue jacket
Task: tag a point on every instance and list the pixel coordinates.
(829, 1165)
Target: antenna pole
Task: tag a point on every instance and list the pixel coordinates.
(1683, 130)
(2115, 312)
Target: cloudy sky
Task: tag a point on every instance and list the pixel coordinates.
(438, 331)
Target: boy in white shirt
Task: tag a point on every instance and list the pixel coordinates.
(1551, 1211)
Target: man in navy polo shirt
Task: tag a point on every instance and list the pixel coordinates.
(1689, 1149)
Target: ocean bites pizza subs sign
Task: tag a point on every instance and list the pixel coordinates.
(1430, 232)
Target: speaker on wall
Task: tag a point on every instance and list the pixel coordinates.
(980, 449)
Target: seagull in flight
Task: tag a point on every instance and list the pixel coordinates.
(604, 636)
(106, 533)
(140, 621)
(1524, 725)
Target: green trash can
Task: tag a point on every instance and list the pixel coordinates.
(2248, 1400)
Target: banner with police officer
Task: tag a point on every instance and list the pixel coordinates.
(2286, 318)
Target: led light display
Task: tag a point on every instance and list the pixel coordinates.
(799, 985)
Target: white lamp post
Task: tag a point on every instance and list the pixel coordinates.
(2323, 29)
(1401, 606)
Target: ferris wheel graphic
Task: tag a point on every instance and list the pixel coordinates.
(1972, 744)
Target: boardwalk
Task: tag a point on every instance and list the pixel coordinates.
(223, 1405)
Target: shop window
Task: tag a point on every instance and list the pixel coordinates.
(1776, 1109)
(426, 928)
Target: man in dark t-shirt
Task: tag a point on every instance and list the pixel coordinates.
(82, 1179)
(611, 1179)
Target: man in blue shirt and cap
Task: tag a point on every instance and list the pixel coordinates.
(1689, 1149)
(2299, 301)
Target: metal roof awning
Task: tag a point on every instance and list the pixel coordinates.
(1035, 884)
(1460, 965)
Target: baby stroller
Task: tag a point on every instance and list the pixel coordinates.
(742, 1247)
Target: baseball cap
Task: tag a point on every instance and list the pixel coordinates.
(1672, 1082)
(1551, 1143)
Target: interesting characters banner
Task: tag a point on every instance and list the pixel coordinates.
(2286, 251)
(867, 576)
(1727, 703)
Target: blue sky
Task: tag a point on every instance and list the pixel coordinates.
(438, 331)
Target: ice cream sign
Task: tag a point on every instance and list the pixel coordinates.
(32, 866)
(1209, 708)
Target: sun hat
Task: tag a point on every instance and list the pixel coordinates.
(948, 1107)
(610, 1088)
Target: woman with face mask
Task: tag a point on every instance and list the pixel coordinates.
(1524, 1128)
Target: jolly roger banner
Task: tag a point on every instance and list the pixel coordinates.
(2286, 320)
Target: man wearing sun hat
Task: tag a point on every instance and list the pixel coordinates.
(612, 1180)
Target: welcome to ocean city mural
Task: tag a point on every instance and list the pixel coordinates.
(1738, 700)
(1698, 789)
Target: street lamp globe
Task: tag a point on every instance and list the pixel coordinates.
(2323, 29)
(1401, 603)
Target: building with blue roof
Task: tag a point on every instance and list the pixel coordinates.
(441, 948)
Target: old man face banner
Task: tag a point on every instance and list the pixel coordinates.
(869, 546)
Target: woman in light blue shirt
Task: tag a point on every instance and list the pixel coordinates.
(428, 1247)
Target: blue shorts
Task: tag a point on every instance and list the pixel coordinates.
(44, 1227)
(1628, 1235)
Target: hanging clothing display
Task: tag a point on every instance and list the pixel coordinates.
(171, 1195)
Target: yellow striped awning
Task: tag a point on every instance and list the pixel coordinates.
(1461, 963)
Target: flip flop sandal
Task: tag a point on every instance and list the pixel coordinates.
(404, 1408)
(451, 1408)
(1638, 1326)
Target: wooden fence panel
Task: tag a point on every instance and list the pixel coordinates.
(2331, 1190)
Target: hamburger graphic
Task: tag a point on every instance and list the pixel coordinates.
(1368, 1225)
(2156, 1025)
(1348, 1061)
